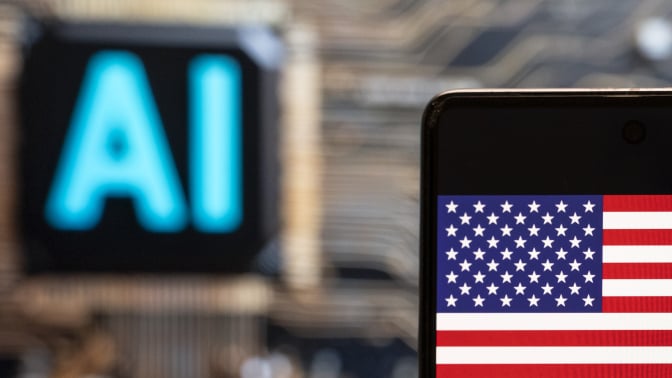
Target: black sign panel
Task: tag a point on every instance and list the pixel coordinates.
(147, 148)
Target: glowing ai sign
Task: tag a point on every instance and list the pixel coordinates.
(148, 148)
(116, 146)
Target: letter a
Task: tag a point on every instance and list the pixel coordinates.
(116, 147)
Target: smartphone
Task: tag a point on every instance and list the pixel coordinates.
(546, 234)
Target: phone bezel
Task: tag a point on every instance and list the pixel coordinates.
(429, 143)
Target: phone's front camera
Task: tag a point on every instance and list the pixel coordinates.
(634, 132)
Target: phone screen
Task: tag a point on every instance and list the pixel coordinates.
(550, 230)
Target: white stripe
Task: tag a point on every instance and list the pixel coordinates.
(637, 253)
(552, 322)
(637, 220)
(637, 288)
(553, 355)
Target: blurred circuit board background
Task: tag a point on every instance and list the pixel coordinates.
(357, 75)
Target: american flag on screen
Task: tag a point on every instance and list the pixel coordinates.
(554, 286)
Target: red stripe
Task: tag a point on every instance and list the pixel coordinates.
(637, 304)
(554, 371)
(638, 203)
(627, 271)
(637, 237)
(554, 338)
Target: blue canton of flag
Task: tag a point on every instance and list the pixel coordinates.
(519, 254)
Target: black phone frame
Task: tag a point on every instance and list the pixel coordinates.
(585, 100)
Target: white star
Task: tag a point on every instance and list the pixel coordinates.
(492, 243)
(561, 207)
(534, 254)
(588, 301)
(452, 254)
(506, 301)
(547, 265)
(562, 277)
(548, 289)
(589, 207)
(452, 230)
(575, 242)
(452, 277)
(452, 301)
(478, 277)
(534, 301)
(465, 289)
(548, 218)
(520, 242)
(520, 289)
(506, 230)
(588, 277)
(465, 265)
(588, 231)
(588, 254)
(575, 265)
(492, 289)
(534, 207)
(506, 277)
(561, 254)
(452, 207)
(575, 289)
(561, 230)
(534, 277)
(478, 231)
(506, 254)
(506, 207)
(492, 218)
(479, 207)
(478, 254)
(520, 218)
(492, 265)
(548, 242)
(465, 218)
(520, 266)
(534, 230)
(478, 301)
(575, 218)
(465, 242)
(561, 301)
